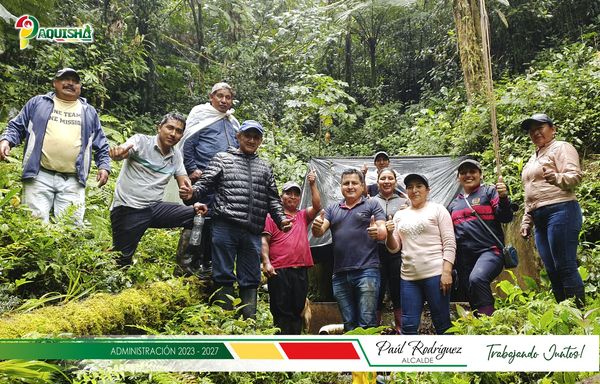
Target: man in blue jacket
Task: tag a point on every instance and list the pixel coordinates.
(61, 131)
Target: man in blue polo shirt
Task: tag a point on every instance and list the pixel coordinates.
(356, 224)
(150, 162)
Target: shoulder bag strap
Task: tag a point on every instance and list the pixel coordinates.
(484, 224)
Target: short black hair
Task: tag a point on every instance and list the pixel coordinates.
(353, 171)
(172, 116)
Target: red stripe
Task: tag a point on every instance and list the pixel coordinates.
(464, 220)
(320, 351)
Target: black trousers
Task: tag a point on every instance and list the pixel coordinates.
(287, 293)
(130, 224)
(389, 267)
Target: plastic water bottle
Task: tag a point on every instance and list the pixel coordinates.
(196, 236)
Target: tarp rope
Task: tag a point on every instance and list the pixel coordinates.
(487, 63)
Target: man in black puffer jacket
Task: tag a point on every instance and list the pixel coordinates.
(245, 191)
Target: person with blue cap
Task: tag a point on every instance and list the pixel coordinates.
(245, 191)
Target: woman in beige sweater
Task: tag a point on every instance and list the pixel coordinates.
(549, 179)
(425, 234)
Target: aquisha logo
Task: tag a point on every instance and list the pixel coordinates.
(29, 29)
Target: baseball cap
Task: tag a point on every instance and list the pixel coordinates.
(289, 185)
(380, 153)
(221, 85)
(472, 162)
(538, 117)
(416, 176)
(252, 124)
(67, 71)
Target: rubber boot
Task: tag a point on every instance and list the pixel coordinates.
(578, 294)
(398, 320)
(248, 296)
(487, 310)
(220, 298)
(559, 295)
(183, 257)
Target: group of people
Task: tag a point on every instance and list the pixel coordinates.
(386, 237)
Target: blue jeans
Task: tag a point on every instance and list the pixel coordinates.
(476, 271)
(236, 248)
(356, 293)
(56, 192)
(557, 228)
(413, 295)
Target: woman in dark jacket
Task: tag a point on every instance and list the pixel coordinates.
(479, 257)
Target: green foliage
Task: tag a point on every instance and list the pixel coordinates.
(106, 314)
(523, 311)
(32, 372)
(44, 258)
(207, 319)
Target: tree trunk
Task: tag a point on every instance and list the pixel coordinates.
(468, 32)
(348, 53)
(198, 16)
(372, 42)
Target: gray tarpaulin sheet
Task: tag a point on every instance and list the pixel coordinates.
(440, 170)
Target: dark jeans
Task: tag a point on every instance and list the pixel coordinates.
(476, 271)
(557, 228)
(389, 268)
(287, 296)
(235, 248)
(356, 293)
(414, 293)
(130, 224)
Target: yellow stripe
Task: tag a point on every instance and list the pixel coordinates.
(257, 351)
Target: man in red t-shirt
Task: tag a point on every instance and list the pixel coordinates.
(286, 257)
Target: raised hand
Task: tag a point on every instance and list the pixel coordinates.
(501, 188)
(317, 225)
(389, 224)
(373, 230)
(312, 176)
(119, 152)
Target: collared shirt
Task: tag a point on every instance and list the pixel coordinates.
(146, 172)
(560, 157)
(291, 248)
(353, 249)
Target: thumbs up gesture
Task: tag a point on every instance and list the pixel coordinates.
(373, 229)
(501, 188)
(318, 224)
(389, 224)
(119, 152)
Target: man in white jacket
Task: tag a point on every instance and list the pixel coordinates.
(211, 128)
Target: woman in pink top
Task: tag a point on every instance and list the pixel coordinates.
(549, 178)
(425, 233)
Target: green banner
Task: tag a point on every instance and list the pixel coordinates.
(79, 349)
